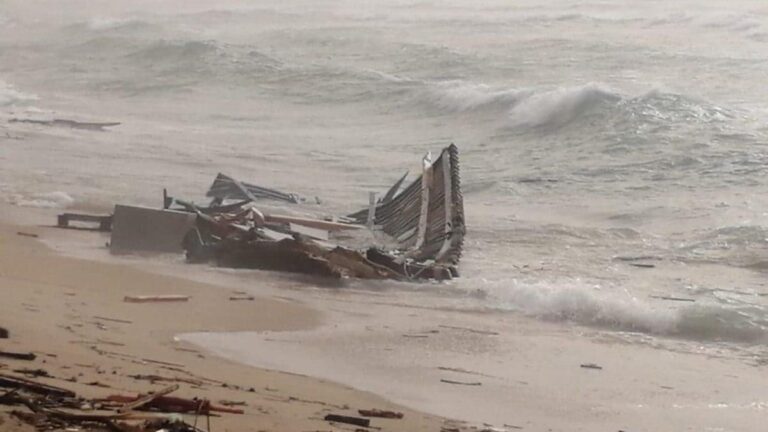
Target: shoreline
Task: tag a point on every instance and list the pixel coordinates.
(73, 315)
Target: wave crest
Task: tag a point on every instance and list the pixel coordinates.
(589, 306)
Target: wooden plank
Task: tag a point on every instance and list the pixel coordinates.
(10, 381)
(315, 233)
(371, 210)
(313, 223)
(144, 400)
(426, 182)
(156, 298)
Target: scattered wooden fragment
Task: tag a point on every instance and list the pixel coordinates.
(642, 265)
(18, 356)
(415, 336)
(160, 362)
(461, 370)
(35, 373)
(240, 298)
(156, 298)
(669, 298)
(10, 381)
(158, 378)
(146, 399)
(447, 381)
(74, 124)
(232, 403)
(122, 321)
(357, 421)
(591, 366)
(175, 404)
(380, 413)
(4, 333)
(471, 330)
(312, 223)
(26, 234)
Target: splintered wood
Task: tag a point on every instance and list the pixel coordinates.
(156, 298)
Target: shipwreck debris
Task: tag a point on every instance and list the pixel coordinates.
(357, 421)
(53, 408)
(412, 233)
(474, 383)
(225, 187)
(156, 298)
(146, 229)
(95, 126)
(380, 413)
(104, 221)
(591, 366)
(18, 356)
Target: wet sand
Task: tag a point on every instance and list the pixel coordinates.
(64, 309)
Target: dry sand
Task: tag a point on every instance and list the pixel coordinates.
(51, 305)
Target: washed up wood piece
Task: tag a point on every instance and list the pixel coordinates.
(380, 413)
(3, 333)
(241, 298)
(680, 299)
(146, 399)
(447, 381)
(158, 378)
(176, 404)
(591, 366)
(122, 321)
(74, 124)
(18, 356)
(156, 298)
(461, 370)
(26, 234)
(35, 373)
(104, 221)
(357, 421)
(10, 381)
(642, 265)
(312, 223)
(471, 330)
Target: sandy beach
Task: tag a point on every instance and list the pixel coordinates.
(308, 351)
(71, 313)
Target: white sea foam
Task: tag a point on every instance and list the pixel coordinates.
(10, 96)
(559, 106)
(528, 107)
(56, 199)
(459, 96)
(620, 311)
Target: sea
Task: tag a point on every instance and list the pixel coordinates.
(613, 152)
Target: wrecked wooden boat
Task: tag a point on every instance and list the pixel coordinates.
(414, 232)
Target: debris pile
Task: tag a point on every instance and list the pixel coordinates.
(55, 408)
(410, 234)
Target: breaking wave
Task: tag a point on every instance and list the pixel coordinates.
(10, 96)
(560, 106)
(589, 306)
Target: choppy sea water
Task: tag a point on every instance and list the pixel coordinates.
(612, 152)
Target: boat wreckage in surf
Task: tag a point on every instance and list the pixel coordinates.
(414, 232)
